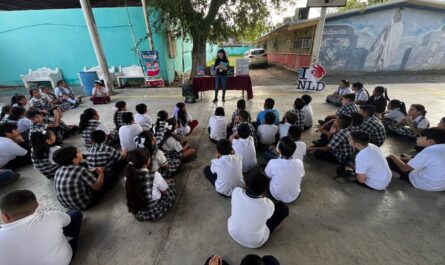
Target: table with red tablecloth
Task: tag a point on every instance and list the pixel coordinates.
(238, 82)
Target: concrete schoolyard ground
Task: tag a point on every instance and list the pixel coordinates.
(330, 223)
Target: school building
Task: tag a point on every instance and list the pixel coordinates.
(396, 36)
(35, 38)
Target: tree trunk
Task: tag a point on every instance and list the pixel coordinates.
(198, 51)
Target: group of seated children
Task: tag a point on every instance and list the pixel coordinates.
(151, 155)
(353, 135)
(235, 172)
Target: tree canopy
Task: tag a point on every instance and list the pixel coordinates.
(357, 4)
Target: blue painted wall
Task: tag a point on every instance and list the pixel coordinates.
(380, 41)
(59, 38)
(237, 50)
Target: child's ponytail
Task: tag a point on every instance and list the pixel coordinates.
(40, 148)
(85, 117)
(385, 93)
(171, 127)
(134, 190)
(119, 106)
(162, 116)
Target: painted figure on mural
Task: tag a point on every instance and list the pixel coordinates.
(388, 42)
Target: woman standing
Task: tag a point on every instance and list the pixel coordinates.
(221, 66)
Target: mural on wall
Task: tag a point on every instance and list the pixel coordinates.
(385, 40)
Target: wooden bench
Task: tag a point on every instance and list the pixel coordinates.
(43, 74)
(129, 72)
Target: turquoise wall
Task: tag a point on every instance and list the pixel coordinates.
(237, 50)
(59, 38)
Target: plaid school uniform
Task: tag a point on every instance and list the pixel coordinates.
(340, 145)
(174, 158)
(67, 92)
(73, 186)
(159, 131)
(118, 122)
(90, 128)
(63, 105)
(375, 128)
(407, 131)
(347, 109)
(40, 104)
(45, 167)
(102, 155)
(155, 209)
(300, 118)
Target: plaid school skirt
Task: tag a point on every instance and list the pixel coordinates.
(157, 209)
(174, 161)
(392, 126)
(333, 100)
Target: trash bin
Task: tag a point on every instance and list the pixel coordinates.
(87, 80)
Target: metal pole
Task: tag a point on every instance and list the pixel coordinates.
(318, 36)
(147, 25)
(95, 39)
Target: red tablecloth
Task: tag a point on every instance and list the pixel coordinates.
(239, 82)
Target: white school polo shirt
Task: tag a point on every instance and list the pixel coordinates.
(143, 120)
(266, 133)
(285, 178)
(300, 151)
(10, 150)
(247, 223)
(229, 173)
(422, 122)
(127, 133)
(429, 168)
(283, 129)
(246, 149)
(308, 116)
(218, 127)
(371, 162)
(37, 239)
(361, 95)
(395, 114)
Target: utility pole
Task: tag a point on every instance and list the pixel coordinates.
(95, 39)
(147, 25)
(318, 37)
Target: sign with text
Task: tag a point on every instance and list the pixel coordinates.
(150, 59)
(309, 78)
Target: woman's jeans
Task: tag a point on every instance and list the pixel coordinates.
(220, 79)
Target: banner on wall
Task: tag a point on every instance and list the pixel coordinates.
(309, 78)
(150, 59)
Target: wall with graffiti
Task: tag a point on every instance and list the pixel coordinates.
(395, 39)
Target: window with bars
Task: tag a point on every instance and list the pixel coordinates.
(303, 43)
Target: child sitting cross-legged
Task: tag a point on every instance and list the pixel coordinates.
(298, 110)
(218, 125)
(89, 122)
(268, 107)
(76, 186)
(159, 162)
(148, 195)
(308, 113)
(100, 155)
(100, 94)
(253, 216)
(240, 105)
(285, 173)
(128, 131)
(294, 133)
(32, 236)
(290, 118)
(244, 118)
(142, 118)
(42, 153)
(338, 149)
(225, 172)
(244, 146)
(267, 132)
(371, 167)
(425, 170)
(173, 148)
(41, 123)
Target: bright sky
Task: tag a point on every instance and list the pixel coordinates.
(289, 10)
